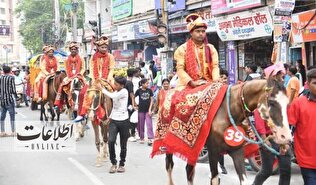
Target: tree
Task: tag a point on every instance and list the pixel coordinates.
(37, 22)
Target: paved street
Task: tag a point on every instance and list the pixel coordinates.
(77, 168)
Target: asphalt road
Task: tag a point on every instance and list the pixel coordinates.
(78, 167)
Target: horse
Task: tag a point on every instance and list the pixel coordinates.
(269, 97)
(52, 83)
(99, 100)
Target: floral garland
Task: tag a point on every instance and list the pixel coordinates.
(105, 66)
(191, 65)
(73, 61)
(51, 63)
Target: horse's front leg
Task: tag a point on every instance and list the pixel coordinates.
(190, 173)
(97, 143)
(239, 163)
(169, 167)
(52, 111)
(104, 131)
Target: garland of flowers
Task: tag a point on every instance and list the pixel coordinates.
(50, 64)
(73, 61)
(191, 66)
(105, 66)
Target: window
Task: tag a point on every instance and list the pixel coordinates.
(2, 11)
(2, 22)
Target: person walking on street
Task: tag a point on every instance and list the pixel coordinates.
(144, 107)
(20, 82)
(131, 102)
(7, 91)
(251, 71)
(119, 123)
(292, 90)
(301, 115)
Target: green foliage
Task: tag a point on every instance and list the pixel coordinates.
(37, 22)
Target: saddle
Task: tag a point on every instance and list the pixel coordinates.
(44, 86)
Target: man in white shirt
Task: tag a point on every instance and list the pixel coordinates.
(20, 84)
(119, 122)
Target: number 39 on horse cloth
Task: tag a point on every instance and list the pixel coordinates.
(232, 137)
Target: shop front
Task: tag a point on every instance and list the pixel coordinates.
(248, 40)
(303, 45)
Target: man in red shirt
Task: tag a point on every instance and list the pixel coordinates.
(301, 114)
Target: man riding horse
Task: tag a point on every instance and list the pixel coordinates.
(101, 71)
(197, 60)
(49, 66)
(75, 67)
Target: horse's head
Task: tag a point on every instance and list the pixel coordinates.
(95, 97)
(272, 107)
(76, 86)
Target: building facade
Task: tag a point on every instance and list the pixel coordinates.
(11, 48)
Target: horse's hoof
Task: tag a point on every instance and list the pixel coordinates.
(46, 119)
(81, 135)
(41, 119)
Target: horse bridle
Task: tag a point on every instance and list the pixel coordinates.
(232, 121)
(245, 109)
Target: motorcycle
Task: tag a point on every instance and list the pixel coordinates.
(20, 92)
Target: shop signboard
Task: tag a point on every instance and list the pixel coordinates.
(114, 36)
(284, 7)
(178, 5)
(121, 9)
(245, 25)
(282, 28)
(126, 32)
(229, 6)
(123, 57)
(304, 26)
(232, 68)
(145, 29)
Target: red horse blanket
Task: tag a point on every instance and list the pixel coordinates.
(184, 120)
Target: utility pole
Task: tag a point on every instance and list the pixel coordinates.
(99, 24)
(164, 12)
(74, 19)
(57, 21)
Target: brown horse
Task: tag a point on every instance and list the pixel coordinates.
(270, 99)
(99, 100)
(53, 83)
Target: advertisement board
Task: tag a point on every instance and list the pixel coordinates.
(304, 26)
(245, 25)
(121, 9)
(229, 6)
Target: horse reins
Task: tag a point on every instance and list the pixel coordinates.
(232, 121)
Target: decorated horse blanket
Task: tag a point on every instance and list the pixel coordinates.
(184, 120)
